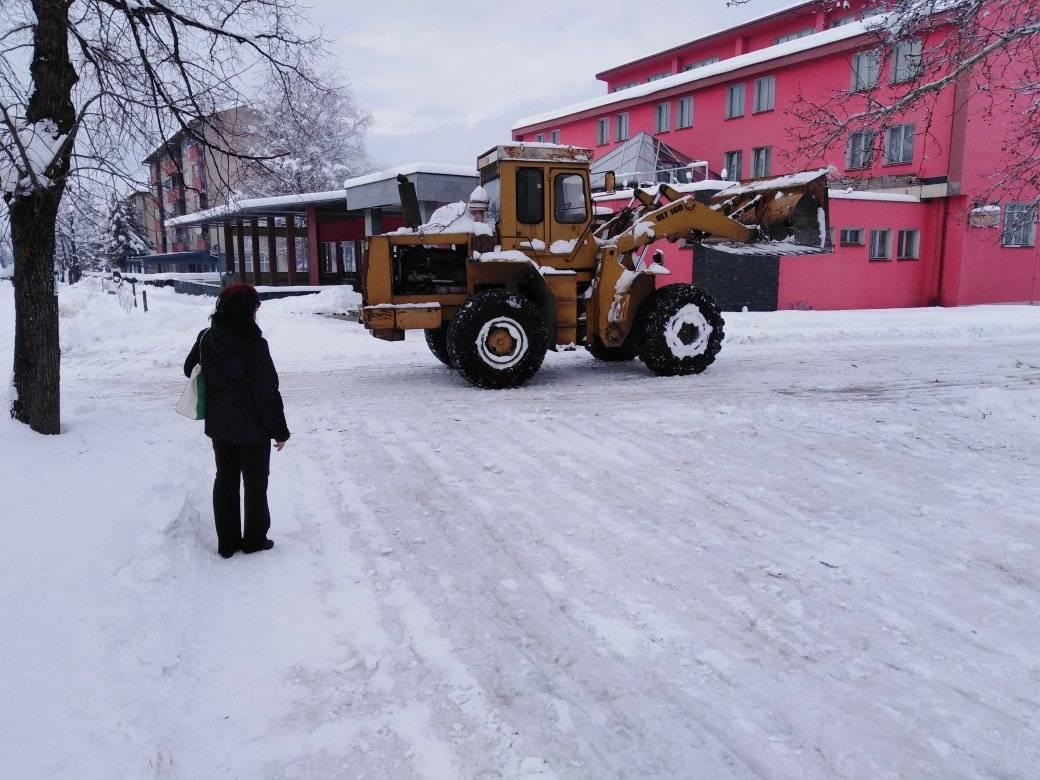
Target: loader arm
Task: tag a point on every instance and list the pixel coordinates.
(786, 215)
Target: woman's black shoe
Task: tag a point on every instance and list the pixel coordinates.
(227, 553)
(266, 544)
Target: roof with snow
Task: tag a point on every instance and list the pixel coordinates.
(642, 158)
(534, 150)
(434, 182)
(708, 35)
(691, 77)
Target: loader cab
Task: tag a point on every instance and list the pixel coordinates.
(539, 194)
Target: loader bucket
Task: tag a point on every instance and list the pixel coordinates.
(790, 213)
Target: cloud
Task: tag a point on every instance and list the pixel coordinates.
(441, 78)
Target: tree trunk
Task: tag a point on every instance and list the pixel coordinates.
(34, 215)
(37, 373)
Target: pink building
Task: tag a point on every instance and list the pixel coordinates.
(907, 227)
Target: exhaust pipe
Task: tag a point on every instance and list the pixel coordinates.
(409, 201)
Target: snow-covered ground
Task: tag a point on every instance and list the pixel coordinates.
(821, 558)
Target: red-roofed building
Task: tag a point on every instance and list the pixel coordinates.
(915, 237)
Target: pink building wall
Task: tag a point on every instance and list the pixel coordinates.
(959, 264)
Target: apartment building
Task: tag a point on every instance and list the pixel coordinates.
(907, 226)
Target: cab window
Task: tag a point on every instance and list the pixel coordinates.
(530, 199)
(569, 197)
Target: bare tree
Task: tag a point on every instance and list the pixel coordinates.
(87, 86)
(973, 50)
(315, 133)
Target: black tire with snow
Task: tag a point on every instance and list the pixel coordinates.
(497, 339)
(681, 330)
(627, 351)
(437, 341)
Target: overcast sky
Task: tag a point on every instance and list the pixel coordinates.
(446, 80)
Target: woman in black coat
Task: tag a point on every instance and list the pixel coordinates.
(243, 415)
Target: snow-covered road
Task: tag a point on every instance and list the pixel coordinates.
(821, 558)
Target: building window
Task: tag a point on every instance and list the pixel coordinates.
(569, 197)
(880, 244)
(795, 35)
(765, 94)
(658, 76)
(664, 117)
(861, 150)
(603, 131)
(899, 144)
(530, 200)
(554, 136)
(906, 61)
(735, 101)
(733, 165)
(852, 236)
(701, 63)
(866, 68)
(539, 138)
(761, 161)
(622, 128)
(1019, 225)
(629, 85)
(685, 112)
(909, 245)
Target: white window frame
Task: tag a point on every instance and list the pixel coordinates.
(554, 136)
(804, 32)
(860, 143)
(733, 172)
(877, 251)
(765, 94)
(908, 244)
(663, 117)
(736, 106)
(603, 131)
(866, 70)
(621, 127)
(701, 63)
(899, 144)
(539, 138)
(761, 161)
(684, 115)
(1019, 225)
(906, 61)
(658, 76)
(846, 238)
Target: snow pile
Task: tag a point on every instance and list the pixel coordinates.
(331, 300)
(34, 150)
(452, 218)
(563, 247)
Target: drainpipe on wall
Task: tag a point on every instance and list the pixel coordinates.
(937, 298)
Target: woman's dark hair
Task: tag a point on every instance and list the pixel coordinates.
(236, 306)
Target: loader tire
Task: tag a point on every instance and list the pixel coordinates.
(627, 351)
(681, 330)
(497, 340)
(437, 341)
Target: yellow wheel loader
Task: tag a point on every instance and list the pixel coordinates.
(527, 265)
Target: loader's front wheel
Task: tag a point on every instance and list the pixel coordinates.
(497, 339)
(437, 341)
(682, 330)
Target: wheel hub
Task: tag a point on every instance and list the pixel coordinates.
(688, 333)
(500, 341)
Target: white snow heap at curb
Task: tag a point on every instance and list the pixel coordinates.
(41, 142)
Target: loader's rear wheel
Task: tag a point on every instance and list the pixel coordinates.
(627, 351)
(682, 330)
(437, 341)
(497, 339)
